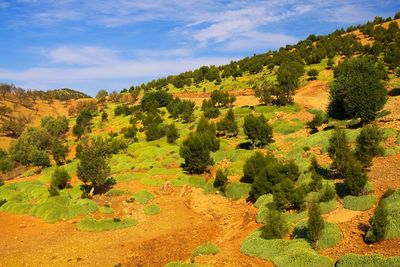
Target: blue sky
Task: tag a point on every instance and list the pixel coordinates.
(93, 44)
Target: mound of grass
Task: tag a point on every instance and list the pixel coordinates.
(121, 163)
(126, 177)
(194, 181)
(61, 207)
(209, 187)
(89, 224)
(287, 127)
(287, 253)
(150, 181)
(359, 203)
(143, 196)
(237, 191)
(392, 227)
(371, 260)
(106, 210)
(152, 209)
(264, 200)
(331, 235)
(115, 192)
(205, 249)
(327, 207)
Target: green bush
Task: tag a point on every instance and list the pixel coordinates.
(115, 192)
(106, 210)
(237, 191)
(263, 200)
(143, 196)
(370, 260)
(205, 249)
(359, 203)
(89, 224)
(152, 209)
(330, 236)
(286, 253)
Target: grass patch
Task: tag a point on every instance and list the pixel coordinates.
(393, 220)
(331, 235)
(194, 181)
(371, 260)
(237, 191)
(115, 192)
(152, 209)
(143, 196)
(359, 203)
(106, 210)
(126, 177)
(89, 224)
(205, 249)
(287, 127)
(264, 200)
(287, 253)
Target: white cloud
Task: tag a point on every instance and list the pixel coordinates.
(258, 40)
(82, 55)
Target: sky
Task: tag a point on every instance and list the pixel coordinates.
(103, 44)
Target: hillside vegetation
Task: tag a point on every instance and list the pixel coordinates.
(287, 158)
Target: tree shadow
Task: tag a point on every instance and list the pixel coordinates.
(341, 190)
(394, 92)
(245, 145)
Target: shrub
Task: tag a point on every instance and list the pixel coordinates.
(359, 203)
(237, 191)
(329, 237)
(204, 249)
(172, 134)
(83, 123)
(368, 145)
(155, 99)
(313, 74)
(320, 117)
(152, 209)
(130, 133)
(358, 91)
(316, 179)
(315, 223)
(59, 180)
(209, 109)
(40, 158)
(287, 253)
(209, 130)
(253, 166)
(104, 116)
(6, 165)
(92, 225)
(221, 179)
(368, 260)
(275, 227)
(328, 194)
(379, 223)
(257, 130)
(143, 196)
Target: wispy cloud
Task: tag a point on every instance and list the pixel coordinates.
(82, 55)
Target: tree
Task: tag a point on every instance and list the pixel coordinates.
(56, 126)
(210, 131)
(83, 123)
(379, 222)
(265, 90)
(316, 179)
(313, 74)
(102, 95)
(172, 134)
(195, 150)
(130, 133)
(276, 226)
(368, 145)
(355, 178)
(209, 109)
(228, 124)
(358, 91)
(13, 127)
(59, 180)
(319, 118)
(339, 150)
(288, 76)
(315, 223)
(59, 152)
(93, 169)
(257, 130)
(104, 116)
(221, 179)
(253, 166)
(39, 158)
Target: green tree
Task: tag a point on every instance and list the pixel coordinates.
(320, 117)
(316, 179)
(339, 149)
(93, 169)
(59, 180)
(104, 116)
(315, 223)
(195, 150)
(83, 123)
(209, 109)
(130, 133)
(172, 134)
(102, 96)
(276, 226)
(379, 222)
(59, 152)
(221, 179)
(358, 91)
(355, 177)
(228, 124)
(368, 145)
(312, 74)
(253, 166)
(210, 131)
(257, 130)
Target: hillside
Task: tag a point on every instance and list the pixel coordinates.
(163, 176)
